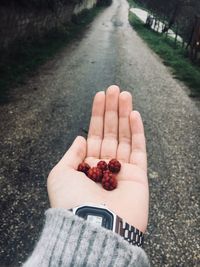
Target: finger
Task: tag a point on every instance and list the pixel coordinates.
(75, 154)
(110, 138)
(95, 134)
(138, 153)
(125, 108)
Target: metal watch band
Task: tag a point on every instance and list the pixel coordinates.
(131, 234)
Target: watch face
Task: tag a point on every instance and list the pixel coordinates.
(98, 216)
(95, 219)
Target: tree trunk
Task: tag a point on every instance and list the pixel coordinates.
(173, 18)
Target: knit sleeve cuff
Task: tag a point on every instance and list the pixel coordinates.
(68, 240)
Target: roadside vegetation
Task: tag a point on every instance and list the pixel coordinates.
(173, 55)
(26, 57)
(181, 16)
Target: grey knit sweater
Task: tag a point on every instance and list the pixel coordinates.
(68, 240)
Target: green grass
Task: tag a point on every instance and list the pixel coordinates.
(25, 58)
(173, 56)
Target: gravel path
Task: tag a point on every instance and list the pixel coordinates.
(45, 114)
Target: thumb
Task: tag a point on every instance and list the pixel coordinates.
(75, 154)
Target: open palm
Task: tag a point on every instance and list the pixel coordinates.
(115, 132)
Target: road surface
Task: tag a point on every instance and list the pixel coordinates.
(44, 115)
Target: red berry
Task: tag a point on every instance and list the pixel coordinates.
(114, 165)
(102, 165)
(109, 181)
(95, 174)
(83, 167)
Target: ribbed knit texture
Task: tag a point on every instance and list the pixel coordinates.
(68, 240)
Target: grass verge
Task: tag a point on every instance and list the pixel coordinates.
(25, 58)
(173, 56)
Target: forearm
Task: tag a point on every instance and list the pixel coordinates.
(67, 240)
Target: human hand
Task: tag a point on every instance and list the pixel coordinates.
(115, 132)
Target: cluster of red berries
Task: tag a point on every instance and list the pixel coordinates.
(103, 173)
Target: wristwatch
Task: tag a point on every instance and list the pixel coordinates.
(102, 216)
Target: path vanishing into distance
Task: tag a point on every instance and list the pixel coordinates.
(44, 115)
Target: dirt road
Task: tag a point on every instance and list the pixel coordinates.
(45, 114)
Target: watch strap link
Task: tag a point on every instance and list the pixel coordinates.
(131, 234)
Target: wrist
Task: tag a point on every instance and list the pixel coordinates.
(100, 215)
